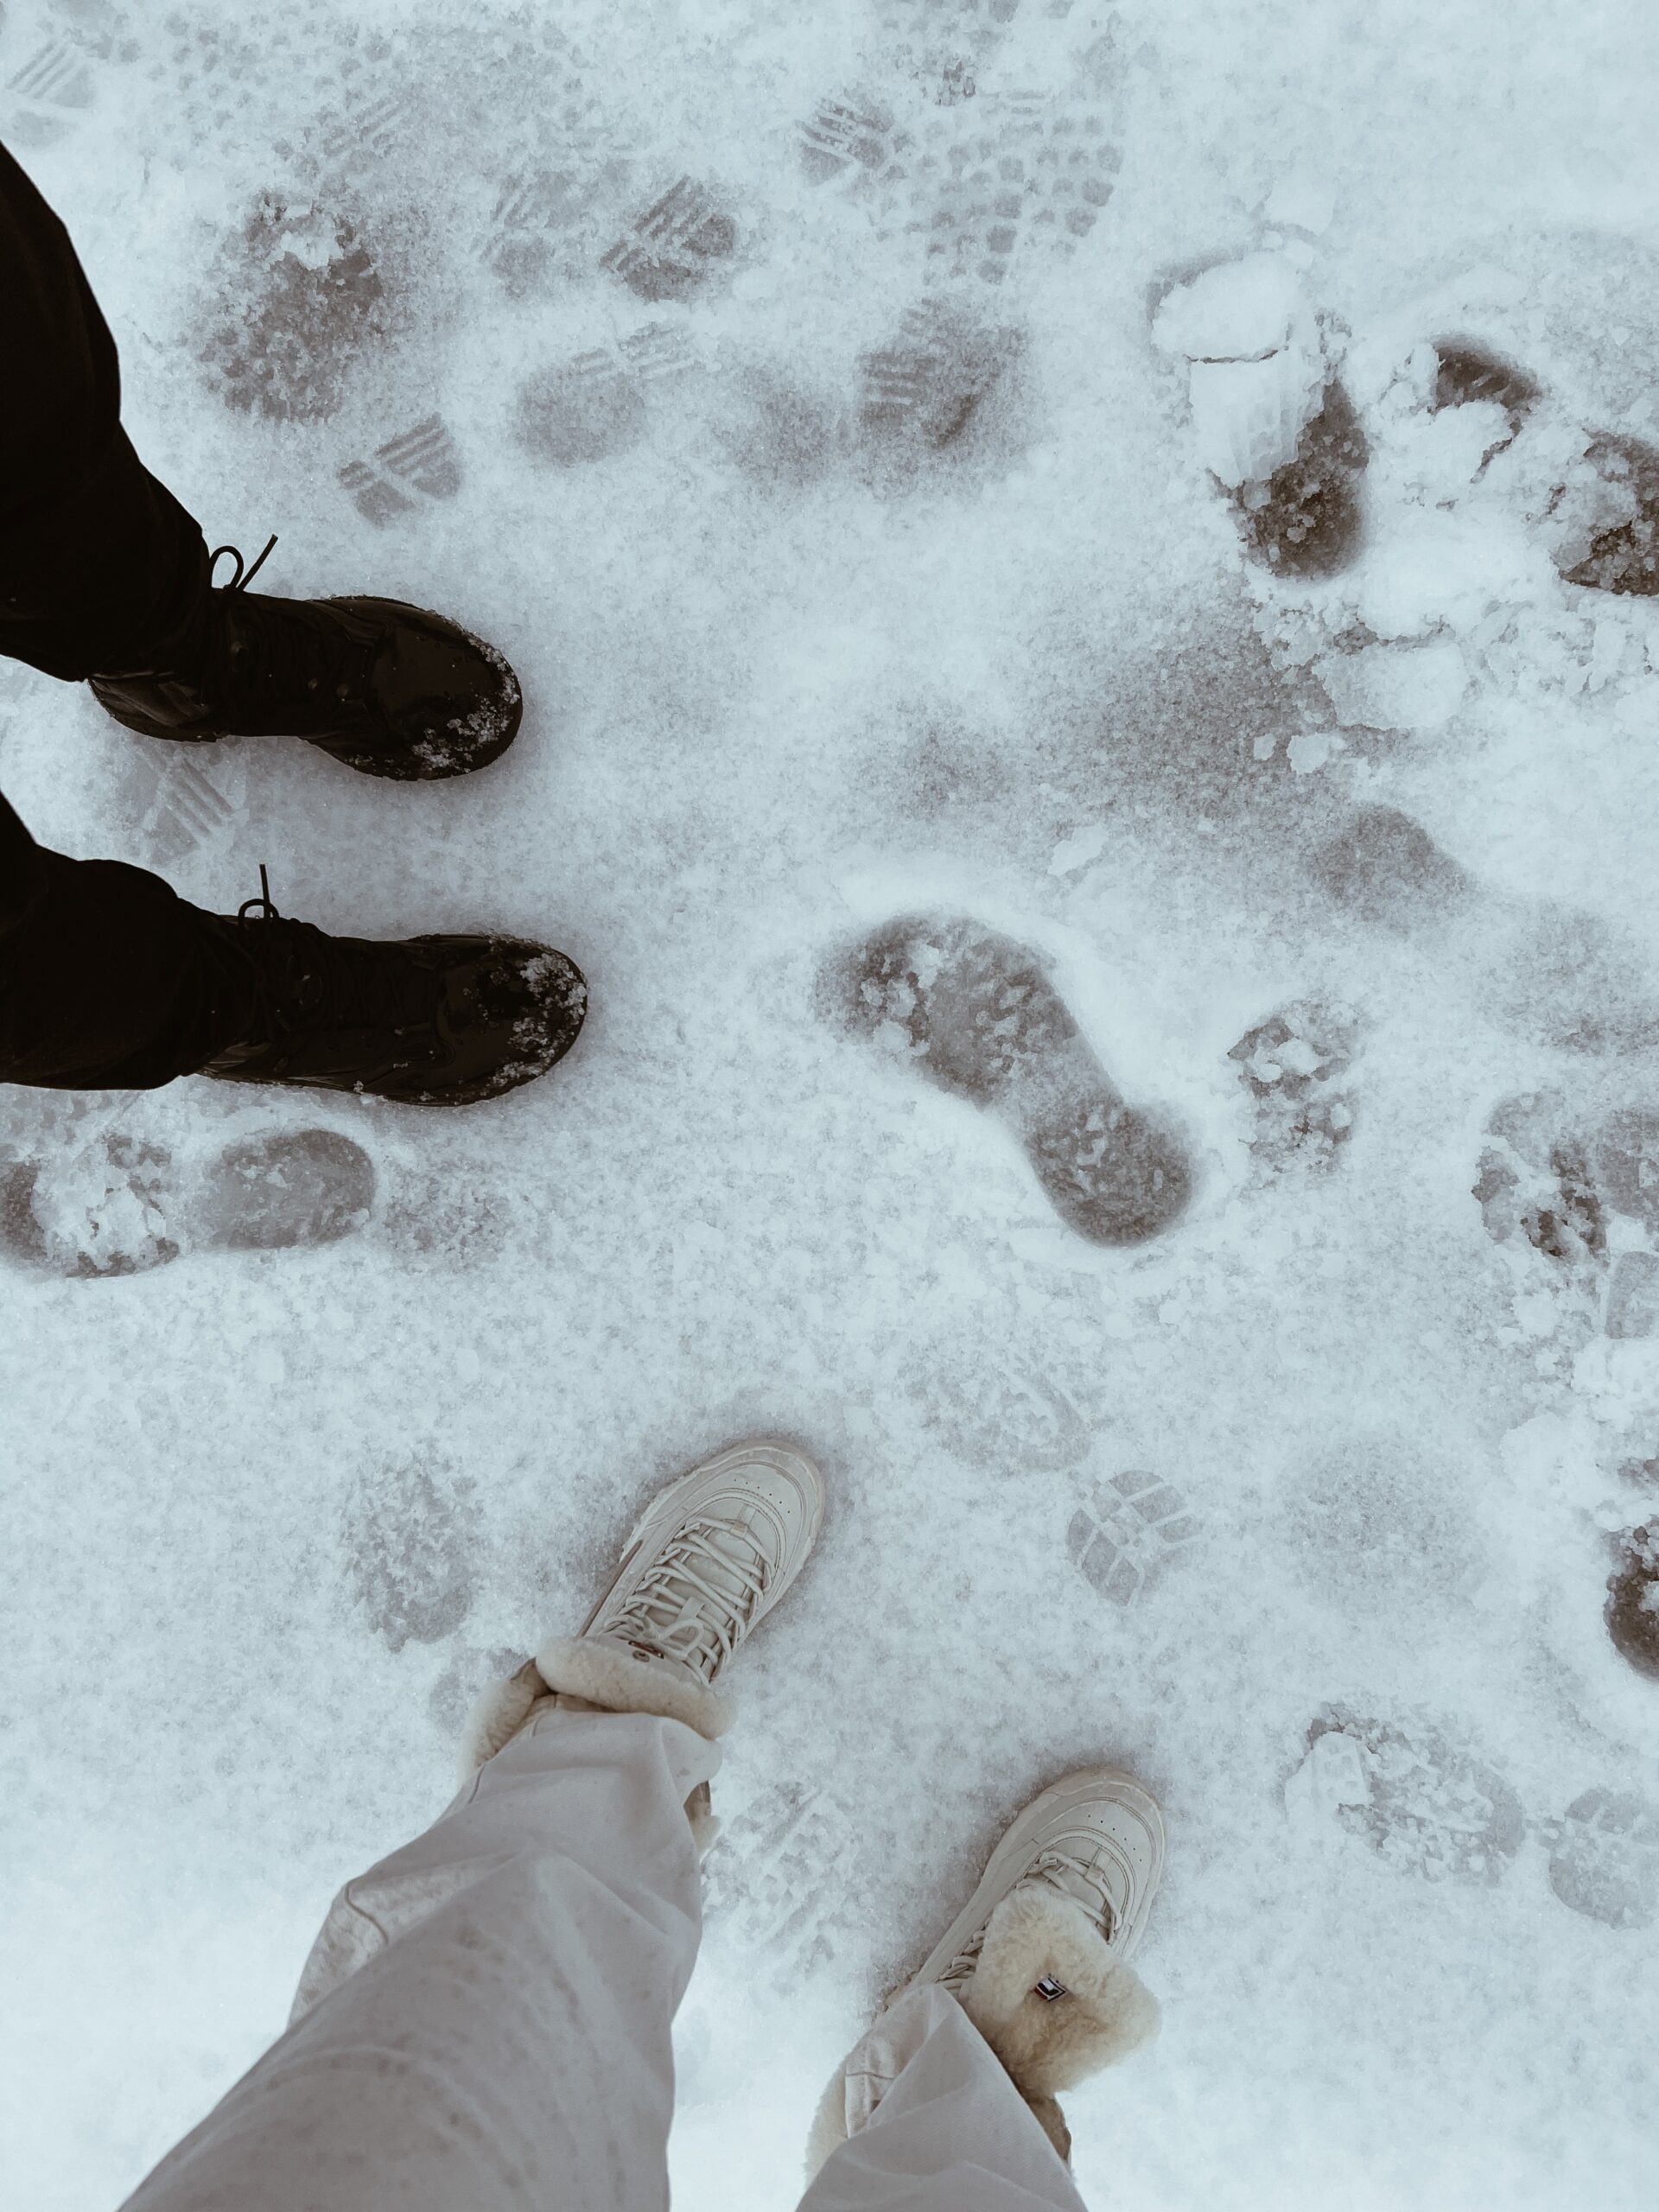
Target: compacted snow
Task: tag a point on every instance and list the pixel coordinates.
(1082, 578)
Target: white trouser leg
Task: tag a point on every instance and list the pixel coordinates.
(940, 2126)
(484, 2024)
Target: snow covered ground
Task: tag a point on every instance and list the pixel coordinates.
(779, 388)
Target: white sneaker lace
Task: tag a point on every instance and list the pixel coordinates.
(696, 1602)
(1061, 1869)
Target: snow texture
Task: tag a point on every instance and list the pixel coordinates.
(778, 389)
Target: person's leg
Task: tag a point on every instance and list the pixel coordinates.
(104, 575)
(924, 2115)
(110, 980)
(484, 2022)
(97, 560)
(948, 2104)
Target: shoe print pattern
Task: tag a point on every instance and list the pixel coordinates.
(1432, 1808)
(599, 403)
(1292, 1066)
(411, 1537)
(1583, 1193)
(782, 1874)
(304, 301)
(1427, 1806)
(1132, 1529)
(1603, 1857)
(186, 798)
(850, 138)
(924, 397)
(976, 177)
(421, 465)
(976, 1015)
(117, 1203)
(997, 1410)
(670, 251)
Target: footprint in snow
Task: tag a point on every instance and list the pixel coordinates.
(300, 301)
(410, 1537)
(1427, 1805)
(1128, 1533)
(1271, 419)
(976, 1015)
(119, 1205)
(1293, 1065)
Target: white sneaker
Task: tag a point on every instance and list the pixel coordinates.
(710, 1557)
(1037, 1958)
(1096, 1837)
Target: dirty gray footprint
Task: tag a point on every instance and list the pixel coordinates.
(670, 250)
(411, 1537)
(1557, 1181)
(1603, 1857)
(404, 474)
(302, 298)
(1271, 419)
(1467, 375)
(119, 1205)
(945, 390)
(1292, 1066)
(1425, 1803)
(1632, 1611)
(1128, 1533)
(599, 403)
(1386, 868)
(1610, 506)
(975, 1014)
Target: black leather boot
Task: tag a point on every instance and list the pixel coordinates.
(432, 1021)
(389, 688)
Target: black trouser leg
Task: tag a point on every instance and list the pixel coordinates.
(98, 562)
(108, 979)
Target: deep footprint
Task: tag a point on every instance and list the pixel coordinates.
(1615, 499)
(1632, 1610)
(976, 1015)
(1467, 375)
(1305, 520)
(121, 1206)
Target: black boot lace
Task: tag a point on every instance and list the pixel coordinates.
(243, 577)
(286, 654)
(306, 980)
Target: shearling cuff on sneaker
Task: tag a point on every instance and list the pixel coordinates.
(1044, 2043)
(498, 1712)
(609, 1675)
(1047, 2044)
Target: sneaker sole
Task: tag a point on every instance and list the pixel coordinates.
(663, 1510)
(1016, 1851)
